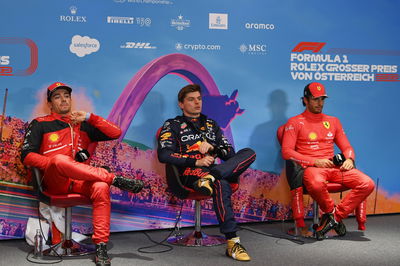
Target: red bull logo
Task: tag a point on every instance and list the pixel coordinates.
(194, 147)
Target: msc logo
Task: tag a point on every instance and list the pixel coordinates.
(138, 45)
(255, 49)
(5, 60)
(315, 47)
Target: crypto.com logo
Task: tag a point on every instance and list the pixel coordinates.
(6, 70)
(315, 47)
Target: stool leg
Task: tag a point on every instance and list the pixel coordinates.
(197, 217)
(315, 212)
(307, 231)
(68, 247)
(197, 237)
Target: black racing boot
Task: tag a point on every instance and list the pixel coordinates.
(102, 258)
(340, 229)
(327, 223)
(131, 185)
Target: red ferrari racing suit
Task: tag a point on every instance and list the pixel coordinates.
(308, 137)
(51, 142)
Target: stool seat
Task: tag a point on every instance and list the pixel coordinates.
(197, 237)
(67, 200)
(336, 187)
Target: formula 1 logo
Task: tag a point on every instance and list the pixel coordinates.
(315, 47)
(5, 60)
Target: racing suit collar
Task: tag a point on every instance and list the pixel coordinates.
(196, 125)
(201, 116)
(189, 119)
(312, 116)
(65, 118)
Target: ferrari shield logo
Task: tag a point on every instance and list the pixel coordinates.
(327, 125)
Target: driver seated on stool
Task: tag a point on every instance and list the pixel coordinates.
(191, 142)
(57, 143)
(308, 141)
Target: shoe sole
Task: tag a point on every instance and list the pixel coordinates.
(227, 254)
(340, 234)
(320, 235)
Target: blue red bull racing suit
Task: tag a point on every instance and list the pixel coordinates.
(178, 144)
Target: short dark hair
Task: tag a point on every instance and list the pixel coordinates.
(188, 89)
(302, 101)
(306, 94)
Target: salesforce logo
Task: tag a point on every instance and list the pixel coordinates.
(82, 46)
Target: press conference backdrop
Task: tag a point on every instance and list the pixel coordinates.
(127, 59)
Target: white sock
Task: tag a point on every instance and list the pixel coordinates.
(235, 239)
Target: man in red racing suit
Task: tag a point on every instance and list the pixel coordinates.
(52, 143)
(191, 142)
(308, 141)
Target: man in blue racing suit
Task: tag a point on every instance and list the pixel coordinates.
(192, 142)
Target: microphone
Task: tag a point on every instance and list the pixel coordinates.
(338, 159)
(82, 156)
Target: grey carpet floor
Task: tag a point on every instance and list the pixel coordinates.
(378, 245)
